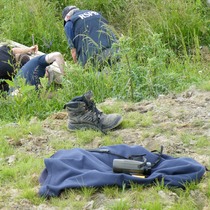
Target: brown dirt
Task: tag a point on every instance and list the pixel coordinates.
(173, 117)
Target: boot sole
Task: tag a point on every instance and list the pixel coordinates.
(85, 126)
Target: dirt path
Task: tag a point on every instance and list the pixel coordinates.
(180, 123)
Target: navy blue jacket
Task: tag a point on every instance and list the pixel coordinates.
(33, 70)
(88, 32)
(77, 168)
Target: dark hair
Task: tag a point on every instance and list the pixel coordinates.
(23, 59)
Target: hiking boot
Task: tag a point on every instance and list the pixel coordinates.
(83, 114)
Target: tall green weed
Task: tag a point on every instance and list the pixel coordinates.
(155, 51)
(21, 20)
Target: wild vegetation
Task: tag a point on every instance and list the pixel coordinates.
(159, 48)
(160, 54)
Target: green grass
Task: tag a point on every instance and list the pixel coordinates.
(110, 140)
(202, 141)
(64, 144)
(208, 189)
(205, 85)
(120, 204)
(135, 119)
(159, 48)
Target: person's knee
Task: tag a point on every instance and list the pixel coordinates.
(57, 54)
(51, 57)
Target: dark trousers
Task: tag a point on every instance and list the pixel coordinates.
(4, 86)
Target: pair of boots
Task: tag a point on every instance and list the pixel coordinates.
(83, 114)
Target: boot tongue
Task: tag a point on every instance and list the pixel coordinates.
(87, 98)
(88, 95)
(74, 104)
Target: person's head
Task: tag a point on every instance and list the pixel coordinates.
(23, 59)
(67, 12)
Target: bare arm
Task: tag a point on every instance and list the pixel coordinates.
(23, 50)
(74, 55)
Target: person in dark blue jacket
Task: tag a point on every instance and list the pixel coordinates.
(89, 36)
(39, 67)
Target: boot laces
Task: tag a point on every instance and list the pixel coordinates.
(92, 107)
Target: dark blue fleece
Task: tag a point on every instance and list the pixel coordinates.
(77, 168)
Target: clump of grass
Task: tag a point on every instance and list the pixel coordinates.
(202, 141)
(152, 205)
(61, 144)
(134, 119)
(12, 133)
(205, 85)
(184, 204)
(20, 129)
(186, 138)
(208, 189)
(110, 140)
(86, 137)
(31, 196)
(87, 192)
(120, 204)
(111, 192)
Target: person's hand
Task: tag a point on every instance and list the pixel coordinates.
(34, 49)
(74, 54)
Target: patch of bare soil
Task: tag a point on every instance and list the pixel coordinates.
(181, 124)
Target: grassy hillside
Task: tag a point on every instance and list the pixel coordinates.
(161, 57)
(159, 41)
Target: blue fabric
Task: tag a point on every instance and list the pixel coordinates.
(77, 168)
(88, 32)
(34, 69)
(69, 33)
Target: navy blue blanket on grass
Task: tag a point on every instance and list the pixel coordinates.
(77, 168)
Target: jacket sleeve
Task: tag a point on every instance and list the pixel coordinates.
(69, 34)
